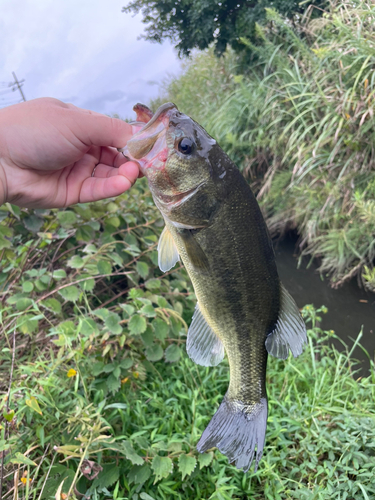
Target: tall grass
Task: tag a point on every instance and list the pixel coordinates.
(300, 124)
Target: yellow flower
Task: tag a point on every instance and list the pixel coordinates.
(24, 480)
(71, 373)
(124, 380)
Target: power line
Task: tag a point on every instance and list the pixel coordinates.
(19, 85)
(7, 87)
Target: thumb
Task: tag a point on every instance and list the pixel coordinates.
(95, 129)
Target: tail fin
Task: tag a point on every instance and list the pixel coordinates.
(236, 429)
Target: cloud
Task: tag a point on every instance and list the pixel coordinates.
(88, 50)
(99, 101)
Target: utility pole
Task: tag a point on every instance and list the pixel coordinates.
(19, 85)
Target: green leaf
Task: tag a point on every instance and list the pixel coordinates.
(85, 233)
(162, 467)
(142, 269)
(131, 454)
(175, 446)
(8, 415)
(104, 267)
(76, 262)
(102, 313)
(113, 221)
(146, 496)
(126, 363)
(154, 352)
(23, 303)
(33, 223)
(33, 404)
(40, 285)
(97, 368)
(113, 384)
(27, 323)
(153, 284)
(128, 309)
(186, 465)
(88, 285)
(137, 324)
(27, 286)
(112, 323)
(161, 328)
(88, 327)
(59, 274)
(52, 305)
(148, 310)
(172, 353)
(67, 218)
(108, 476)
(139, 474)
(70, 293)
(205, 459)
(112, 207)
(118, 406)
(22, 460)
(4, 243)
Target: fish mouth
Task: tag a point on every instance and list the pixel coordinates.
(177, 199)
(149, 146)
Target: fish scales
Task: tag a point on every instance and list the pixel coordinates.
(240, 293)
(214, 224)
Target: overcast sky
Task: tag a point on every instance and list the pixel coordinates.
(85, 52)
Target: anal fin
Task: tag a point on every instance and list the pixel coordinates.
(290, 329)
(203, 345)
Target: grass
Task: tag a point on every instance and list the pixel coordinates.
(139, 441)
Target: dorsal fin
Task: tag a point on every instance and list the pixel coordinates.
(290, 329)
(167, 251)
(203, 345)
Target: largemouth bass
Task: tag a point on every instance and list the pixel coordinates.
(214, 224)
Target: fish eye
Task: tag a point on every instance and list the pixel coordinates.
(185, 146)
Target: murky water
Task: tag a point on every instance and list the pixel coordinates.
(349, 307)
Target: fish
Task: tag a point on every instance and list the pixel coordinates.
(213, 223)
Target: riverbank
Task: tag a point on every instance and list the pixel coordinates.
(350, 309)
(298, 122)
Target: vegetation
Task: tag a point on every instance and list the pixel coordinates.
(198, 24)
(103, 401)
(300, 125)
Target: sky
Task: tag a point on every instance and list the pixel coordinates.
(86, 52)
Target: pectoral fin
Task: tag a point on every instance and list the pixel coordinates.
(290, 329)
(167, 251)
(203, 345)
(194, 251)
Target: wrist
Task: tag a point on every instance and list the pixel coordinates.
(3, 184)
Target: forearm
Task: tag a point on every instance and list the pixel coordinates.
(3, 188)
(3, 157)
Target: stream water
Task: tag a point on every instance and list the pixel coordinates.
(349, 307)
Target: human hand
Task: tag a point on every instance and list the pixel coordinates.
(54, 155)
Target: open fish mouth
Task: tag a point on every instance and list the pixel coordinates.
(148, 146)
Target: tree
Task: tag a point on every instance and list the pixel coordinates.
(198, 23)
